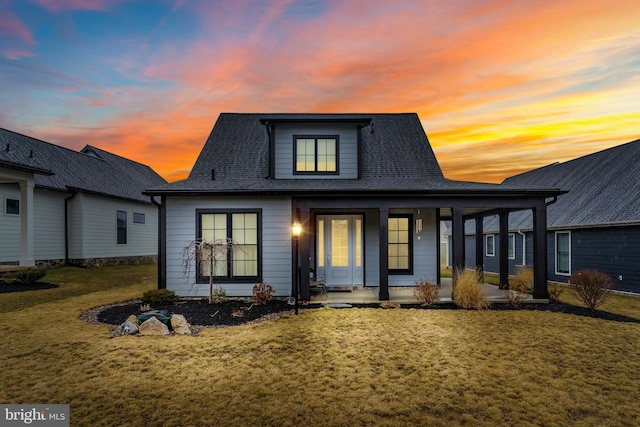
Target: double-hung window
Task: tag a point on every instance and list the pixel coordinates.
(400, 244)
(563, 253)
(511, 242)
(315, 154)
(490, 249)
(236, 245)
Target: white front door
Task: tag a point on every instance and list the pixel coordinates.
(342, 247)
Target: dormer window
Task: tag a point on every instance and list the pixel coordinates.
(317, 154)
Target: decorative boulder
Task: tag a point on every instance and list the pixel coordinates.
(153, 326)
(132, 319)
(180, 325)
(129, 328)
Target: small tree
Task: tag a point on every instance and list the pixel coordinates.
(592, 287)
(213, 253)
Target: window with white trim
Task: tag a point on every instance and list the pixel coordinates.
(511, 242)
(563, 252)
(490, 249)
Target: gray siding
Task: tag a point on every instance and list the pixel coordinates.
(9, 225)
(276, 242)
(348, 156)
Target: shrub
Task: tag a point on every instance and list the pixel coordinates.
(592, 287)
(159, 297)
(425, 292)
(516, 293)
(29, 276)
(467, 291)
(554, 290)
(218, 296)
(262, 293)
(523, 280)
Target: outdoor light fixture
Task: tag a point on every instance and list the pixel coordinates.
(296, 229)
(418, 224)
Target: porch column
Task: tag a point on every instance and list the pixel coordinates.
(438, 247)
(540, 252)
(26, 224)
(480, 247)
(457, 232)
(384, 254)
(303, 266)
(504, 250)
(162, 243)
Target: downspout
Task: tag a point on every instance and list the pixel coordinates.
(66, 226)
(524, 247)
(161, 276)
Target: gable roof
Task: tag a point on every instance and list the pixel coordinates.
(395, 156)
(91, 170)
(604, 189)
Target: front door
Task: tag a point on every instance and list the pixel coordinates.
(341, 250)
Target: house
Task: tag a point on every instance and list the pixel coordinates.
(62, 206)
(366, 189)
(596, 225)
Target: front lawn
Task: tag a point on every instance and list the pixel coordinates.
(324, 367)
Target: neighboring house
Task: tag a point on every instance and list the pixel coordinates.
(83, 208)
(596, 225)
(366, 188)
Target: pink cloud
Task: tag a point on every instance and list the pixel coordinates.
(11, 25)
(16, 53)
(95, 5)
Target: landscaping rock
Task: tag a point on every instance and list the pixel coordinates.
(180, 325)
(153, 326)
(129, 328)
(133, 319)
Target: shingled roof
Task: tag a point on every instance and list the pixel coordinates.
(91, 170)
(395, 156)
(604, 189)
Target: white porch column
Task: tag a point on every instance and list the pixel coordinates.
(26, 222)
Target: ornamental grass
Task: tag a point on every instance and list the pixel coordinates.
(328, 367)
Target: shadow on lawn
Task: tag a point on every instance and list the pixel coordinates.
(22, 287)
(200, 312)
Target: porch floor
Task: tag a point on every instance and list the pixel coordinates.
(404, 295)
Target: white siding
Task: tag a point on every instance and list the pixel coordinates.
(276, 242)
(9, 225)
(93, 227)
(347, 157)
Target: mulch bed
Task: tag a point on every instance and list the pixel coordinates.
(21, 287)
(200, 312)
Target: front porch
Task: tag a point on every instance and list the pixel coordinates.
(403, 295)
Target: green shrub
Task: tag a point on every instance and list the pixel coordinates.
(262, 293)
(29, 276)
(219, 296)
(425, 292)
(467, 291)
(160, 297)
(592, 287)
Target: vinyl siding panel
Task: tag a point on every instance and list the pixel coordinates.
(347, 158)
(9, 225)
(276, 242)
(98, 228)
(48, 225)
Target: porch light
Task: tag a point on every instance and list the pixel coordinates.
(296, 229)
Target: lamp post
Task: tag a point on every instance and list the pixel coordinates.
(296, 229)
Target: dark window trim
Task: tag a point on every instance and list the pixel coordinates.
(409, 270)
(316, 138)
(6, 207)
(229, 279)
(121, 239)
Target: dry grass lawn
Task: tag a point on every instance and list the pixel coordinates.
(324, 367)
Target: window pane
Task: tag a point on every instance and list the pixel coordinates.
(511, 243)
(399, 251)
(321, 243)
(121, 228)
(358, 226)
(13, 206)
(214, 227)
(562, 255)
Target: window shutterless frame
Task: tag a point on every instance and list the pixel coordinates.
(400, 244)
(229, 267)
(316, 154)
(490, 245)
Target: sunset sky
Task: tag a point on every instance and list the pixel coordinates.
(501, 86)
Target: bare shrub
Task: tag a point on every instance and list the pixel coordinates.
(262, 293)
(425, 292)
(554, 290)
(516, 293)
(592, 287)
(467, 291)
